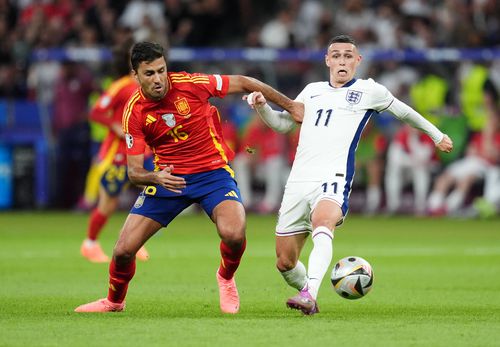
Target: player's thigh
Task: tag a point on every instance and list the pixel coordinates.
(326, 213)
(135, 232)
(295, 211)
(288, 250)
(107, 203)
(229, 218)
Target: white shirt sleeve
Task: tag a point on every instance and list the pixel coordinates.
(281, 122)
(382, 97)
(408, 115)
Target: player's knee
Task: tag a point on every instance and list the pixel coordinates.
(233, 234)
(122, 254)
(284, 263)
(234, 240)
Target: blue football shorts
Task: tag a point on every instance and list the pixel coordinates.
(115, 179)
(206, 188)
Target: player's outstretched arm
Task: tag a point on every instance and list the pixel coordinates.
(138, 175)
(408, 115)
(245, 84)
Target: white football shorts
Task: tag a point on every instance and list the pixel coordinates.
(300, 200)
(468, 166)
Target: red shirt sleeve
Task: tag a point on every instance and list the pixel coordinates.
(132, 127)
(218, 86)
(102, 112)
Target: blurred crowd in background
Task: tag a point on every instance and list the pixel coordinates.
(399, 172)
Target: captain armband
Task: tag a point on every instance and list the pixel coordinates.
(281, 122)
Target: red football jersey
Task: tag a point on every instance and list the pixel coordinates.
(109, 109)
(181, 129)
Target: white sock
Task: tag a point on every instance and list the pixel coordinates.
(90, 243)
(319, 259)
(373, 196)
(455, 200)
(436, 200)
(296, 277)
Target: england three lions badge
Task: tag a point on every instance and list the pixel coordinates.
(353, 97)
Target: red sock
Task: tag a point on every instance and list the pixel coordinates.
(230, 259)
(96, 223)
(119, 277)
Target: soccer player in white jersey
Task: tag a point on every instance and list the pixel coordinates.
(316, 197)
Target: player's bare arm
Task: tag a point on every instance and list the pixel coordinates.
(257, 100)
(117, 129)
(242, 84)
(138, 175)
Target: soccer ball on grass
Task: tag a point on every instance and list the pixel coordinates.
(352, 277)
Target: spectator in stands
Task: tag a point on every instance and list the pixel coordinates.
(70, 126)
(279, 32)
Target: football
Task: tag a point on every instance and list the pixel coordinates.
(352, 277)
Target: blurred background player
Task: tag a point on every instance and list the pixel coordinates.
(370, 162)
(479, 100)
(260, 160)
(460, 176)
(411, 156)
(108, 111)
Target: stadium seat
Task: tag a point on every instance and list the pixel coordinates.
(4, 117)
(26, 115)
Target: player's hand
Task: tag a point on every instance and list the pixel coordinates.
(446, 145)
(169, 181)
(255, 99)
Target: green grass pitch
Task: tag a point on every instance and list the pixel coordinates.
(437, 283)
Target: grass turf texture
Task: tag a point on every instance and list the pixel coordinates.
(436, 284)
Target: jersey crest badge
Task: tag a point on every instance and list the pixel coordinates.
(169, 119)
(182, 107)
(140, 201)
(353, 97)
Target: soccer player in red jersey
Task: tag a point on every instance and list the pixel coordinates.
(108, 111)
(171, 113)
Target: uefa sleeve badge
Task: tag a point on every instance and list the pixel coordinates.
(130, 140)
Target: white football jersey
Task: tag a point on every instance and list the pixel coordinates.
(334, 119)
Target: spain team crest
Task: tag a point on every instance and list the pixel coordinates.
(353, 96)
(169, 119)
(182, 106)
